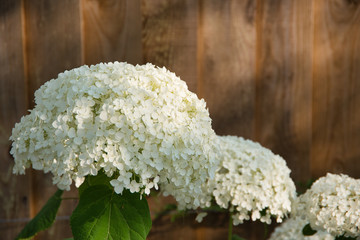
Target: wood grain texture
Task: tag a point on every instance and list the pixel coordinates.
(336, 99)
(213, 227)
(228, 65)
(43, 190)
(227, 48)
(185, 227)
(53, 44)
(248, 230)
(111, 31)
(53, 39)
(14, 190)
(165, 228)
(284, 81)
(61, 228)
(169, 37)
(284, 73)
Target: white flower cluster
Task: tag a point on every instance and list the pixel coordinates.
(139, 123)
(332, 204)
(251, 181)
(291, 229)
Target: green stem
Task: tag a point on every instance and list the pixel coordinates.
(230, 227)
(265, 230)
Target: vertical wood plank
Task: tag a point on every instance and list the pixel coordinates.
(14, 190)
(165, 228)
(284, 81)
(336, 99)
(111, 31)
(227, 64)
(53, 44)
(53, 39)
(227, 70)
(213, 227)
(169, 37)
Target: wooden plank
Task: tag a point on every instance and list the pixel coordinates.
(53, 44)
(61, 228)
(284, 81)
(169, 37)
(165, 228)
(14, 190)
(336, 87)
(227, 70)
(213, 227)
(111, 31)
(53, 41)
(227, 49)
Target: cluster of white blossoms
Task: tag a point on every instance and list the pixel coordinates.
(291, 229)
(139, 123)
(251, 181)
(332, 204)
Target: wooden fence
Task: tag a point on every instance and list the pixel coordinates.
(285, 73)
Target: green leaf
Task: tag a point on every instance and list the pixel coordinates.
(103, 214)
(237, 237)
(308, 231)
(344, 238)
(44, 219)
(177, 215)
(215, 208)
(99, 179)
(263, 212)
(170, 207)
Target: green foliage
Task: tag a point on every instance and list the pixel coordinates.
(103, 214)
(170, 207)
(263, 212)
(215, 208)
(302, 186)
(237, 237)
(44, 219)
(166, 210)
(344, 238)
(99, 179)
(177, 215)
(308, 231)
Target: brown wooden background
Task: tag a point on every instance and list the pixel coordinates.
(285, 73)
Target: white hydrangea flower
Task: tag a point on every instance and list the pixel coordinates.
(332, 204)
(251, 182)
(291, 229)
(138, 122)
(199, 218)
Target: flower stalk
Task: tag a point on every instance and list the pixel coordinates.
(230, 228)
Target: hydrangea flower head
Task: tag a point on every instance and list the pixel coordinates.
(291, 229)
(332, 204)
(140, 123)
(251, 181)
